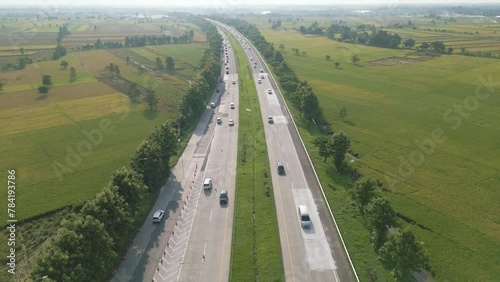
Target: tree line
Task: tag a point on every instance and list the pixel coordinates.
(196, 97)
(378, 38)
(137, 41)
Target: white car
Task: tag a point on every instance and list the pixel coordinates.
(158, 215)
(234, 81)
(219, 120)
(269, 91)
(232, 105)
(231, 122)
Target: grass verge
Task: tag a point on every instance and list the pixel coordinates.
(255, 230)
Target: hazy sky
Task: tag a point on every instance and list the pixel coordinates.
(229, 3)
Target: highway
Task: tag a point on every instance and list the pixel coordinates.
(193, 243)
(309, 254)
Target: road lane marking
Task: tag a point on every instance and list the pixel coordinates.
(210, 219)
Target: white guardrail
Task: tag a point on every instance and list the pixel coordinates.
(307, 154)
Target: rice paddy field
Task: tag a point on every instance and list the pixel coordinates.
(426, 126)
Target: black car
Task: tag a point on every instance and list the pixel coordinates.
(223, 197)
(281, 168)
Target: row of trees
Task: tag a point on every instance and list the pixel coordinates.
(399, 252)
(137, 41)
(436, 46)
(379, 38)
(196, 97)
(63, 31)
(144, 40)
(299, 92)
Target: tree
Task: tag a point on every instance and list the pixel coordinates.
(159, 64)
(403, 255)
(82, 251)
(130, 186)
(382, 215)
(64, 64)
(340, 146)
(147, 161)
(170, 63)
(449, 50)
(337, 64)
(46, 80)
(166, 137)
(128, 60)
(59, 52)
(134, 93)
(355, 59)
(113, 69)
(296, 51)
(151, 99)
(327, 57)
(43, 89)
(304, 53)
(111, 209)
(325, 146)
(343, 113)
(21, 50)
(72, 74)
(409, 43)
(438, 46)
(281, 46)
(424, 46)
(21, 64)
(1, 85)
(364, 191)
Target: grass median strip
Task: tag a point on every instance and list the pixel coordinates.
(256, 250)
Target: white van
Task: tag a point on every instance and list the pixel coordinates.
(207, 184)
(305, 220)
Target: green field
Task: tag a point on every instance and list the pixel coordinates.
(451, 193)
